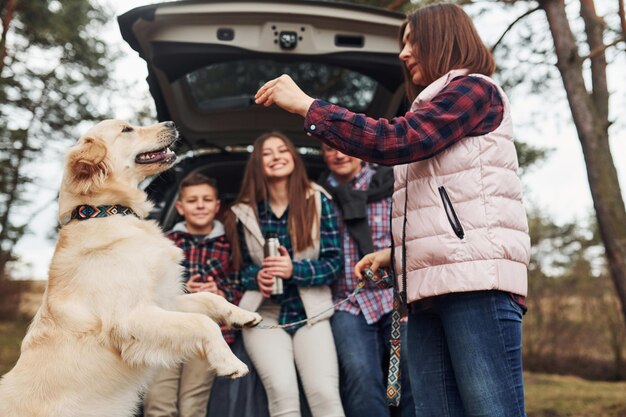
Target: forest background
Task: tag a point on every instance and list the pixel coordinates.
(60, 72)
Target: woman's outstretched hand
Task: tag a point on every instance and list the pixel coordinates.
(285, 93)
(373, 261)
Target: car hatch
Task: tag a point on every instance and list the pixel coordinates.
(206, 59)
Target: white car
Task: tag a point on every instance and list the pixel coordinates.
(206, 60)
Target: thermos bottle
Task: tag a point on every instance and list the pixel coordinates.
(271, 249)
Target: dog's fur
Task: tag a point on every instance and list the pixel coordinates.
(114, 311)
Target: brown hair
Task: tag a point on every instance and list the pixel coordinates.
(254, 190)
(196, 178)
(443, 38)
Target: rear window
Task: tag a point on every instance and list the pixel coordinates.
(228, 85)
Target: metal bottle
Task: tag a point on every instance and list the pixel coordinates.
(271, 249)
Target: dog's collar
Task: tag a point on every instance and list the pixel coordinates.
(86, 211)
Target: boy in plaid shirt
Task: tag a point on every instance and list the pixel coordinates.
(184, 391)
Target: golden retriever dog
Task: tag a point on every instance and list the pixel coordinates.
(114, 310)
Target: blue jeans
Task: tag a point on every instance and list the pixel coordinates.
(363, 352)
(465, 356)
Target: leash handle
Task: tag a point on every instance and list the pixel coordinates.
(382, 280)
(394, 388)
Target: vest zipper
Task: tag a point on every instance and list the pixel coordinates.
(451, 214)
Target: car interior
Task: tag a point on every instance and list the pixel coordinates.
(226, 168)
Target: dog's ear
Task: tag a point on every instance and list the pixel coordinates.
(87, 167)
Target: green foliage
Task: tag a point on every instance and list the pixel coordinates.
(54, 76)
(529, 155)
(559, 247)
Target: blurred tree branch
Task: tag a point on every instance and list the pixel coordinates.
(528, 12)
(622, 17)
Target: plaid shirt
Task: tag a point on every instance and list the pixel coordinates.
(209, 256)
(467, 106)
(307, 272)
(373, 302)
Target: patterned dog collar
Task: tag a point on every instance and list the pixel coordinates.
(86, 211)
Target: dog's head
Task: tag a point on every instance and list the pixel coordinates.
(112, 158)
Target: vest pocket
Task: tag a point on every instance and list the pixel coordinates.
(451, 214)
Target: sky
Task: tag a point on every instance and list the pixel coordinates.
(558, 187)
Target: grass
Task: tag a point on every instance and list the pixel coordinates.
(568, 396)
(546, 395)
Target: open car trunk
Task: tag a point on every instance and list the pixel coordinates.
(207, 59)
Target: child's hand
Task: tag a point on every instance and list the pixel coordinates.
(210, 286)
(194, 284)
(279, 266)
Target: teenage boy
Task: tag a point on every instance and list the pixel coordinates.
(362, 326)
(184, 391)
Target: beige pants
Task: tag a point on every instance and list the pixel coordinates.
(180, 391)
(276, 354)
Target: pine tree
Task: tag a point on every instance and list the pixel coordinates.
(54, 71)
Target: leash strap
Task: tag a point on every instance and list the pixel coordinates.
(394, 391)
(358, 288)
(381, 281)
(393, 375)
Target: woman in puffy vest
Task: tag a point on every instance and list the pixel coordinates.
(461, 245)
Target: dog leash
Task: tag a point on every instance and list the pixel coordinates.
(368, 273)
(394, 388)
(358, 289)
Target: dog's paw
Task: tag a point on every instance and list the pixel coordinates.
(242, 318)
(256, 319)
(232, 368)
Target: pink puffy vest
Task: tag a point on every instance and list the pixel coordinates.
(466, 224)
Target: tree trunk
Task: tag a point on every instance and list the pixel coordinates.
(590, 115)
(7, 8)
(6, 252)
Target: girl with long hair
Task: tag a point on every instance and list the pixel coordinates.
(461, 245)
(277, 197)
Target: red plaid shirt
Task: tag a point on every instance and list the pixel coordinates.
(209, 256)
(467, 106)
(373, 302)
